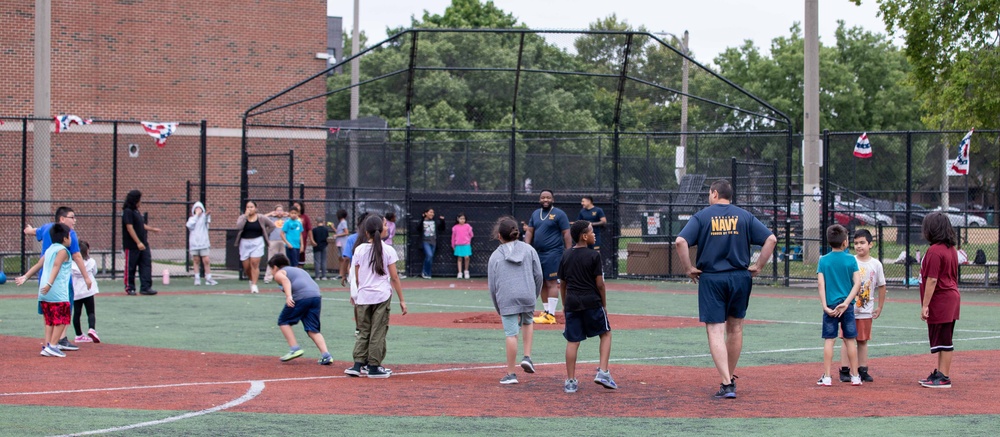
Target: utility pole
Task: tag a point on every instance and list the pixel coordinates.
(681, 160)
(811, 153)
(41, 147)
(355, 98)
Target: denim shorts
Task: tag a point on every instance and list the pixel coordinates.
(512, 323)
(845, 322)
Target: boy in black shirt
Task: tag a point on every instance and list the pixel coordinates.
(318, 238)
(584, 304)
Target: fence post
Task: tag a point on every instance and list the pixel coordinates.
(878, 229)
(203, 186)
(825, 196)
(244, 166)
(616, 145)
(114, 196)
(187, 232)
(909, 208)
(788, 202)
(291, 175)
(24, 191)
(774, 207)
(733, 174)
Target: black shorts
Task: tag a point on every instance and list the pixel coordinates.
(306, 310)
(723, 295)
(940, 335)
(581, 325)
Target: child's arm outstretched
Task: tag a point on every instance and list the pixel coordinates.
(31, 272)
(821, 285)
(398, 286)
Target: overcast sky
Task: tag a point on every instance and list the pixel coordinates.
(713, 25)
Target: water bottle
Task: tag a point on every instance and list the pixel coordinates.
(166, 277)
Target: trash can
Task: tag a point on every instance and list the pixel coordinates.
(232, 251)
(655, 259)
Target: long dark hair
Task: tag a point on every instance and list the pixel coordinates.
(132, 200)
(371, 229)
(507, 229)
(936, 228)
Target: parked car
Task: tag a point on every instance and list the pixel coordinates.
(875, 208)
(962, 219)
(853, 215)
(917, 213)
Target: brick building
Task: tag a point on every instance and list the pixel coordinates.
(132, 60)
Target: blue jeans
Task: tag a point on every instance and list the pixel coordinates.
(428, 258)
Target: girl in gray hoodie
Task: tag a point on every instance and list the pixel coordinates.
(198, 242)
(515, 280)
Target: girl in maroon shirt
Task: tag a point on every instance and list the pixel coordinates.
(939, 296)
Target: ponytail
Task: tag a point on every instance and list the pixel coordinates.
(371, 230)
(506, 229)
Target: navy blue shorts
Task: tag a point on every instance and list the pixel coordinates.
(845, 322)
(723, 295)
(306, 311)
(581, 325)
(550, 264)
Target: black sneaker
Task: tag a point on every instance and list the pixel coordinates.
(863, 371)
(726, 391)
(356, 370)
(148, 292)
(65, 345)
(378, 372)
(934, 375)
(130, 292)
(845, 374)
(937, 381)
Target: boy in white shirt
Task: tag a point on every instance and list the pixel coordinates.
(865, 310)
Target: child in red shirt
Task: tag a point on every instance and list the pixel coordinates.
(939, 296)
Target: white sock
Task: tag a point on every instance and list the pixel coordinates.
(553, 303)
(196, 277)
(208, 277)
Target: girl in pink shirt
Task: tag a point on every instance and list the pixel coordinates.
(461, 241)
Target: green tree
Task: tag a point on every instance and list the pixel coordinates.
(955, 53)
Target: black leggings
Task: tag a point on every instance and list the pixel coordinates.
(91, 317)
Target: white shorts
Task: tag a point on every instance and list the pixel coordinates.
(199, 252)
(253, 248)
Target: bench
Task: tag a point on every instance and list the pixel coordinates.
(986, 270)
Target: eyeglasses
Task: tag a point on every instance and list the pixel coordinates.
(71, 217)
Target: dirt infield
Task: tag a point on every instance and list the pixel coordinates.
(115, 376)
(492, 321)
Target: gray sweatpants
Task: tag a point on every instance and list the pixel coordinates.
(373, 327)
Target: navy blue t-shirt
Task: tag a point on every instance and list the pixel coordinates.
(548, 229)
(724, 234)
(593, 215)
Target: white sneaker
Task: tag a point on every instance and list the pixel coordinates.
(467, 274)
(197, 280)
(459, 275)
(210, 282)
(855, 379)
(254, 290)
(824, 381)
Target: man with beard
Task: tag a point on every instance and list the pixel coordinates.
(548, 232)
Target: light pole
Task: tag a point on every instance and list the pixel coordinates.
(681, 164)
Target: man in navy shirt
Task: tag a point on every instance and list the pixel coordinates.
(594, 215)
(724, 234)
(548, 232)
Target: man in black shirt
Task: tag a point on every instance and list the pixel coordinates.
(136, 246)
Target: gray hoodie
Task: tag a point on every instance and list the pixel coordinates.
(198, 225)
(515, 278)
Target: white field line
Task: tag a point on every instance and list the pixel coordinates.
(256, 387)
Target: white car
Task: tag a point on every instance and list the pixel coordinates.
(958, 218)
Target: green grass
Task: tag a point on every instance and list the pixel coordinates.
(194, 322)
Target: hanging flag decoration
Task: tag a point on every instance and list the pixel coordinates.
(961, 164)
(160, 131)
(63, 122)
(863, 148)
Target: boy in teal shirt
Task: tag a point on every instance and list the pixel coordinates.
(838, 281)
(291, 233)
(53, 288)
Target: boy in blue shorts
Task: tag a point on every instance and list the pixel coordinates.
(838, 280)
(585, 304)
(302, 303)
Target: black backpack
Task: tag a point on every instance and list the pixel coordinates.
(980, 257)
